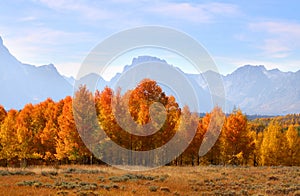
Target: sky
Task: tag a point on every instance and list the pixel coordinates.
(234, 33)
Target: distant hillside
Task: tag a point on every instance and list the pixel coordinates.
(259, 91)
(22, 83)
(254, 89)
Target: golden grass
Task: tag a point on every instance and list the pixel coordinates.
(103, 180)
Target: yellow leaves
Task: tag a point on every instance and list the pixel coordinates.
(48, 130)
(8, 138)
(292, 137)
(240, 156)
(274, 145)
(48, 156)
(35, 155)
(293, 146)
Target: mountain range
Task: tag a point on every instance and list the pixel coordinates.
(254, 89)
(22, 83)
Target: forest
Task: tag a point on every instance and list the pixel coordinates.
(46, 133)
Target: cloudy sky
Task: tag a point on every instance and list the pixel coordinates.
(234, 33)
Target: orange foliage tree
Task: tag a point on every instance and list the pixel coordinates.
(3, 114)
(51, 131)
(212, 122)
(237, 143)
(69, 145)
(27, 137)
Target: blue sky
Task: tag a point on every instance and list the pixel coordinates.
(235, 33)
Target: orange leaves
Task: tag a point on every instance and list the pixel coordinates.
(145, 94)
(235, 126)
(119, 114)
(210, 127)
(2, 114)
(53, 131)
(236, 139)
(69, 144)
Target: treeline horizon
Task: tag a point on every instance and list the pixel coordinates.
(46, 133)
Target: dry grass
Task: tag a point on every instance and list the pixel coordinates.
(103, 180)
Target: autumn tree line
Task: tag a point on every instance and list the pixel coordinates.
(46, 133)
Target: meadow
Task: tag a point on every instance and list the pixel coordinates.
(167, 180)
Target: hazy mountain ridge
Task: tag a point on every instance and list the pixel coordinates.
(261, 91)
(22, 83)
(254, 89)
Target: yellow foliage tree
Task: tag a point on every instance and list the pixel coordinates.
(26, 134)
(273, 147)
(293, 146)
(8, 137)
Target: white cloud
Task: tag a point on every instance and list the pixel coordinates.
(120, 9)
(279, 39)
(276, 48)
(194, 12)
(27, 19)
(279, 28)
(87, 10)
(107, 15)
(44, 45)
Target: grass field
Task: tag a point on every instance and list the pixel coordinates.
(104, 180)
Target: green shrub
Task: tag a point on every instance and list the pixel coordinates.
(153, 188)
(62, 192)
(106, 187)
(34, 183)
(4, 173)
(82, 171)
(165, 189)
(163, 177)
(101, 179)
(140, 177)
(119, 178)
(65, 185)
(87, 193)
(22, 173)
(49, 173)
(18, 172)
(87, 186)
